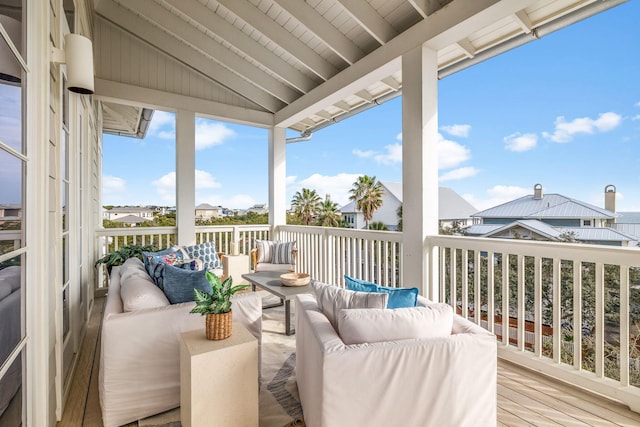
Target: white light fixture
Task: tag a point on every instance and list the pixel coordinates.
(78, 55)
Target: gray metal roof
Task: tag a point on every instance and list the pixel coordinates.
(628, 218)
(130, 219)
(129, 209)
(631, 229)
(549, 206)
(536, 226)
(481, 229)
(206, 206)
(601, 234)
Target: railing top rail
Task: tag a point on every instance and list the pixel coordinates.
(241, 227)
(569, 251)
(392, 236)
(135, 231)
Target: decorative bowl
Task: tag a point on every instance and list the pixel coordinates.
(295, 279)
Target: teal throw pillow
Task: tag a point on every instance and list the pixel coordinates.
(398, 297)
(205, 252)
(178, 283)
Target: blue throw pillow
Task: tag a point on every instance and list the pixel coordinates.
(178, 284)
(398, 297)
(205, 252)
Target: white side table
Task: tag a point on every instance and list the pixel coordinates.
(235, 266)
(219, 379)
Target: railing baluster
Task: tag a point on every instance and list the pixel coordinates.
(599, 320)
(537, 306)
(477, 304)
(506, 327)
(491, 286)
(577, 315)
(464, 271)
(521, 312)
(624, 325)
(557, 305)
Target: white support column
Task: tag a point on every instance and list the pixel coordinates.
(277, 178)
(186, 177)
(420, 168)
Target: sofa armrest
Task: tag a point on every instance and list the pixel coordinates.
(429, 382)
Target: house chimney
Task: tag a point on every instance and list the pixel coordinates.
(610, 198)
(537, 191)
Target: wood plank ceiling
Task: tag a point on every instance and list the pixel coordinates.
(286, 56)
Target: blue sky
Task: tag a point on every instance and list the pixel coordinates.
(562, 111)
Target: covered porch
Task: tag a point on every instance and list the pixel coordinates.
(297, 67)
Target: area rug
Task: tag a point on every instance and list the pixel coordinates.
(279, 399)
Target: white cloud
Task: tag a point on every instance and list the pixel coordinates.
(210, 133)
(392, 156)
(450, 153)
(636, 117)
(363, 154)
(520, 142)
(337, 186)
(497, 195)
(461, 131)
(166, 185)
(460, 173)
(205, 180)
(565, 131)
(163, 125)
(113, 184)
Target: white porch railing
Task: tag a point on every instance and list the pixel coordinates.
(10, 240)
(573, 309)
(327, 253)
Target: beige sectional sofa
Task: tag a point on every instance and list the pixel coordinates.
(140, 353)
(440, 382)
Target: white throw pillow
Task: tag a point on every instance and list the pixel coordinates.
(332, 299)
(370, 326)
(139, 292)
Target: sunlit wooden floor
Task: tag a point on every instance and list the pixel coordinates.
(524, 397)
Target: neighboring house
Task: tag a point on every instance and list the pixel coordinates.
(113, 214)
(205, 211)
(258, 208)
(10, 212)
(553, 217)
(452, 208)
(130, 220)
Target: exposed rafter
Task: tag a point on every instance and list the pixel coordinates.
(369, 19)
(281, 37)
(241, 41)
(189, 56)
(317, 24)
(523, 20)
(467, 47)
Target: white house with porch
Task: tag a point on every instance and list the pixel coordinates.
(275, 64)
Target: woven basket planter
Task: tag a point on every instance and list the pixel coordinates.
(218, 326)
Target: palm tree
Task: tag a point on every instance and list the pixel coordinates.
(305, 204)
(329, 214)
(378, 225)
(367, 193)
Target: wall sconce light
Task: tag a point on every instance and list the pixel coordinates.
(78, 55)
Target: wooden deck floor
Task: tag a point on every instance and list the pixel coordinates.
(524, 397)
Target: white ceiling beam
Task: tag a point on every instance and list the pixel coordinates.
(323, 29)
(436, 31)
(369, 19)
(192, 58)
(467, 47)
(241, 41)
(343, 106)
(392, 83)
(325, 115)
(110, 91)
(364, 94)
(523, 20)
(181, 29)
(283, 38)
(420, 6)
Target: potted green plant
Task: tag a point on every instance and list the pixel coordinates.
(216, 306)
(119, 256)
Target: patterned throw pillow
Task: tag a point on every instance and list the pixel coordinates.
(147, 257)
(265, 250)
(205, 252)
(283, 253)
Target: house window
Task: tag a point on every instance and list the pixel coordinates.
(586, 223)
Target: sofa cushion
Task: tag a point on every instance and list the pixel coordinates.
(267, 266)
(5, 290)
(283, 253)
(178, 284)
(332, 299)
(132, 267)
(11, 276)
(138, 292)
(359, 326)
(398, 297)
(205, 252)
(265, 250)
